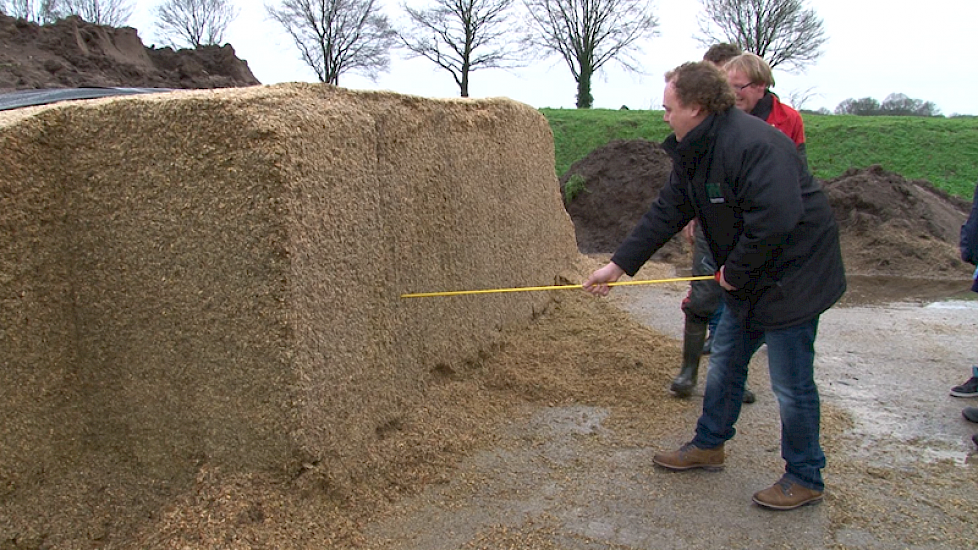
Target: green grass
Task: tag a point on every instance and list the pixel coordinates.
(941, 151)
(574, 187)
(577, 132)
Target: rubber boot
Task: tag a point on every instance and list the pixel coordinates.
(694, 335)
(749, 396)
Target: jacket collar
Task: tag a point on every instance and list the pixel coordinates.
(698, 141)
(764, 106)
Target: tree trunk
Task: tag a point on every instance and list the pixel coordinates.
(464, 85)
(584, 98)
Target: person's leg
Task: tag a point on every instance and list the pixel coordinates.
(698, 306)
(791, 359)
(733, 347)
(749, 396)
(714, 321)
(694, 333)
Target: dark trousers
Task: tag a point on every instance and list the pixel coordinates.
(704, 297)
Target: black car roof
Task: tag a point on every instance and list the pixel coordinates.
(28, 98)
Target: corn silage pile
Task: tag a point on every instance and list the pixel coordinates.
(215, 277)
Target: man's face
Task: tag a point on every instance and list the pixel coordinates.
(679, 117)
(747, 93)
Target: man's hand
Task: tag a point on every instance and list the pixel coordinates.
(595, 284)
(723, 282)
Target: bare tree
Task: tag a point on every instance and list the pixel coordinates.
(336, 36)
(587, 34)
(194, 23)
(783, 32)
(462, 36)
(35, 11)
(799, 98)
(112, 13)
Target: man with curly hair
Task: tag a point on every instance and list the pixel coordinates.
(773, 233)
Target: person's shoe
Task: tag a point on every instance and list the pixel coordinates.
(974, 438)
(970, 414)
(749, 396)
(694, 334)
(786, 495)
(968, 389)
(690, 456)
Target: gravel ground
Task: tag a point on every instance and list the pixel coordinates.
(901, 465)
(889, 364)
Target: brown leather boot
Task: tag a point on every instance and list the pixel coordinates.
(690, 456)
(786, 495)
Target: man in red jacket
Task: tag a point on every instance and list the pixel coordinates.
(751, 78)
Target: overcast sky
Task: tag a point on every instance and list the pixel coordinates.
(874, 48)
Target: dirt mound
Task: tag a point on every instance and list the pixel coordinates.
(892, 225)
(621, 179)
(74, 54)
(889, 225)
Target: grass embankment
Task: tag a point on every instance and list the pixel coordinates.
(939, 150)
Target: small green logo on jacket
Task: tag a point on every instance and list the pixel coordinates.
(714, 193)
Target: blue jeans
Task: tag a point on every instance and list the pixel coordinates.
(791, 359)
(715, 318)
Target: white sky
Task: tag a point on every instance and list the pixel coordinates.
(874, 48)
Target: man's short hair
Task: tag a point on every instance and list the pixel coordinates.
(702, 83)
(718, 54)
(754, 67)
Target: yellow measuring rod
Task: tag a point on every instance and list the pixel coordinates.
(556, 287)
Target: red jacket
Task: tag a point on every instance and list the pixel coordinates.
(787, 120)
(784, 118)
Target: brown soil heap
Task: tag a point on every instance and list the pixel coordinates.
(894, 226)
(889, 225)
(72, 53)
(621, 179)
(214, 278)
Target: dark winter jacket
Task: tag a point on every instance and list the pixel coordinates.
(969, 237)
(766, 218)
